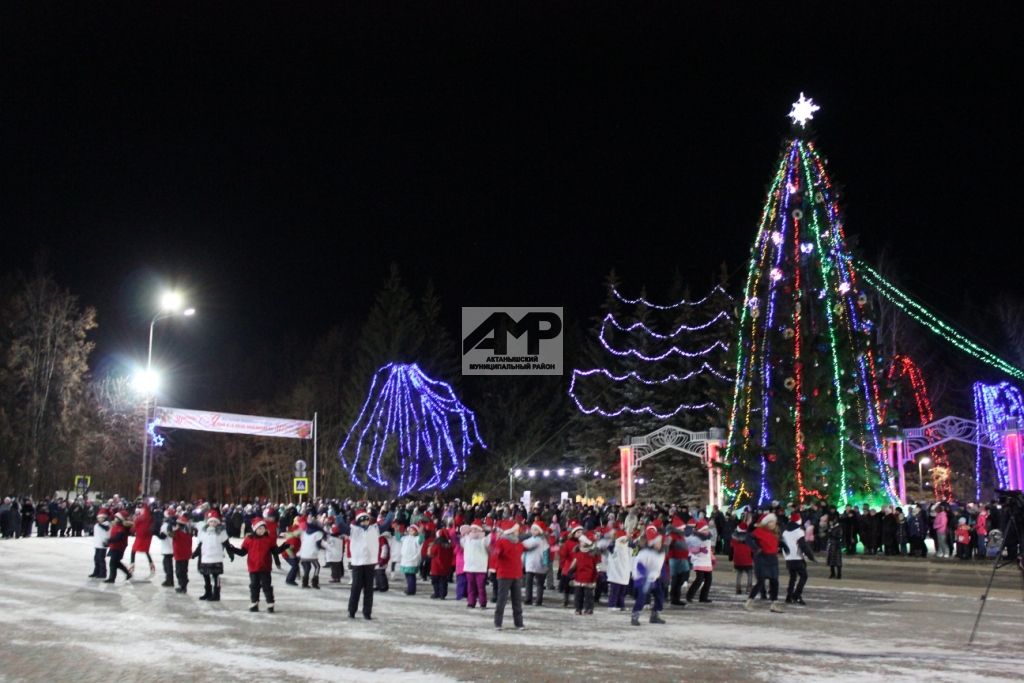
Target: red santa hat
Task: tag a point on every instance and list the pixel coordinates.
(767, 519)
(415, 528)
(651, 533)
(620, 533)
(539, 525)
(182, 518)
(702, 524)
(103, 512)
(587, 539)
(795, 517)
(742, 526)
(121, 515)
(269, 512)
(427, 515)
(362, 513)
(575, 527)
(678, 523)
(508, 526)
(213, 516)
(258, 523)
(170, 511)
(477, 525)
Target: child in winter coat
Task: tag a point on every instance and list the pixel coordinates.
(143, 537)
(474, 564)
(702, 556)
(334, 549)
(442, 557)
(742, 558)
(166, 536)
(290, 552)
(460, 566)
(619, 564)
(410, 557)
(210, 551)
(182, 550)
(259, 547)
(309, 552)
(650, 561)
(963, 539)
(678, 560)
(117, 544)
(583, 570)
(536, 557)
(100, 534)
(380, 574)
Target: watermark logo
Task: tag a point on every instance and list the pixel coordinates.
(511, 341)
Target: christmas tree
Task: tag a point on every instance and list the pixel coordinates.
(806, 409)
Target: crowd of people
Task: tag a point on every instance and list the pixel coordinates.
(504, 553)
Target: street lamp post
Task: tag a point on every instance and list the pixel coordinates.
(920, 476)
(170, 304)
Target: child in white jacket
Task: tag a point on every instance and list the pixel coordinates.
(474, 564)
(409, 559)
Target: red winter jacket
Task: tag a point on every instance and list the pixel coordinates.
(442, 557)
(766, 540)
(257, 550)
(118, 537)
(677, 549)
(742, 555)
(508, 558)
(429, 530)
(565, 554)
(143, 531)
(181, 544)
(586, 568)
(383, 552)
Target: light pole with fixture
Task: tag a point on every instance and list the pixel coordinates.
(170, 305)
(920, 475)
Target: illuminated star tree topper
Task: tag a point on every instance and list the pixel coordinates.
(412, 433)
(803, 110)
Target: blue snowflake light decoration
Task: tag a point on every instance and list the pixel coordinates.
(413, 424)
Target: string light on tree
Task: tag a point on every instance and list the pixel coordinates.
(412, 433)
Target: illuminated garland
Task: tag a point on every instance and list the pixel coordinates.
(922, 315)
(674, 351)
(903, 367)
(717, 289)
(799, 263)
(994, 406)
(421, 419)
(610, 320)
(634, 377)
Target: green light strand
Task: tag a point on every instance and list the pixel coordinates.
(922, 315)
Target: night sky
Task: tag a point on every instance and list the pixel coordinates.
(273, 162)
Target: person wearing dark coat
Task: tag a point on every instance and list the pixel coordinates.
(850, 525)
(28, 515)
(76, 518)
(888, 528)
(6, 518)
(834, 548)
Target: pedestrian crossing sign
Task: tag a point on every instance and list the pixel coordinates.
(82, 482)
(300, 485)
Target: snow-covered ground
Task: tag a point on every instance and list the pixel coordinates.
(58, 625)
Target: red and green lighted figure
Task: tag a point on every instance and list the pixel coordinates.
(806, 385)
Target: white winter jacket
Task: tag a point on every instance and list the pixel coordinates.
(334, 549)
(535, 555)
(309, 550)
(791, 550)
(409, 556)
(100, 534)
(619, 562)
(364, 544)
(212, 539)
(474, 554)
(703, 557)
(167, 542)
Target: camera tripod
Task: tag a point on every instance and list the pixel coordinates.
(1000, 562)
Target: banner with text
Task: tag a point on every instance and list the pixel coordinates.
(205, 421)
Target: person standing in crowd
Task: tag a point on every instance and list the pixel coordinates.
(166, 537)
(797, 551)
(474, 563)
(28, 515)
(364, 547)
(117, 544)
(765, 545)
(7, 523)
(702, 557)
(742, 557)
(619, 564)
(650, 561)
(409, 558)
(834, 548)
(143, 536)
(536, 557)
(76, 517)
(583, 571)
(100, 534)
(334, 553)
(258, 547)
(309, 552)
(43, 519)
(181, 545)
(508, 564)
(442, 557)
(940, 527)
(981, 531)
(380, 575)
(678, 561)
(212, 539)
(565, 553)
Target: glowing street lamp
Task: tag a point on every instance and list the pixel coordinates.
(148, 382)
(920, 477)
